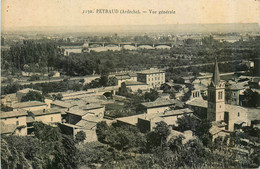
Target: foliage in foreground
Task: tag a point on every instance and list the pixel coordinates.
(123, 146)
(49, 149)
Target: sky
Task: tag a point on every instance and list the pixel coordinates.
(34, 13)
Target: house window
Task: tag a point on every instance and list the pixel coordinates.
(17, 123)
(220, 95)
(238, 114)
(51, 118)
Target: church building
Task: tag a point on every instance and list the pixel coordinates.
(223, 116)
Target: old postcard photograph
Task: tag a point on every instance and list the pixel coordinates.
(122, 84)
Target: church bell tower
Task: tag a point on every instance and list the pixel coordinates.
(216, 97)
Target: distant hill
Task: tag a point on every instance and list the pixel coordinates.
(176, 28)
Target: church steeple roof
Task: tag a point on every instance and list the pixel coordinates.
(216, 76)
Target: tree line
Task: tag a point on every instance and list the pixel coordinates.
(44, 56)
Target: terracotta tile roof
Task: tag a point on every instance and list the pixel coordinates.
(76, 111)
(86, 124)
(130, 119)
(45, 112)
(29, 119)
(61, 104)
(134, 83)
(237, 86)
(12, 114)
(199, 102)
(27, 90)
(158, 103)
(7, 128)
(151, 71)
(157, 117)
(11, 97)
(122, 77)
(28, 104)
(91, 107)
(91, 118)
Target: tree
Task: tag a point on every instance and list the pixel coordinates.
(34, 78)
(16, 151)
(124, 137)
(175, 143)
(51, 74)
(10, 88)
(151, 96)
(251, 99)
(103, 79)
(228, 93)
(158, 137)
(80, 136)
(101, 131)
(57, 96)
(61, 147)
(6, 108)
(202, 131)
(187, 122)
(48, 149)
(187, 94)
(162, 130)
(120, 137)
(32, 96)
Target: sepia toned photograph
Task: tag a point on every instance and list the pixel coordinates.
(130, 84)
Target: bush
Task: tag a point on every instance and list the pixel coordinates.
(32, 96)
(34, 78)
(80, 136)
